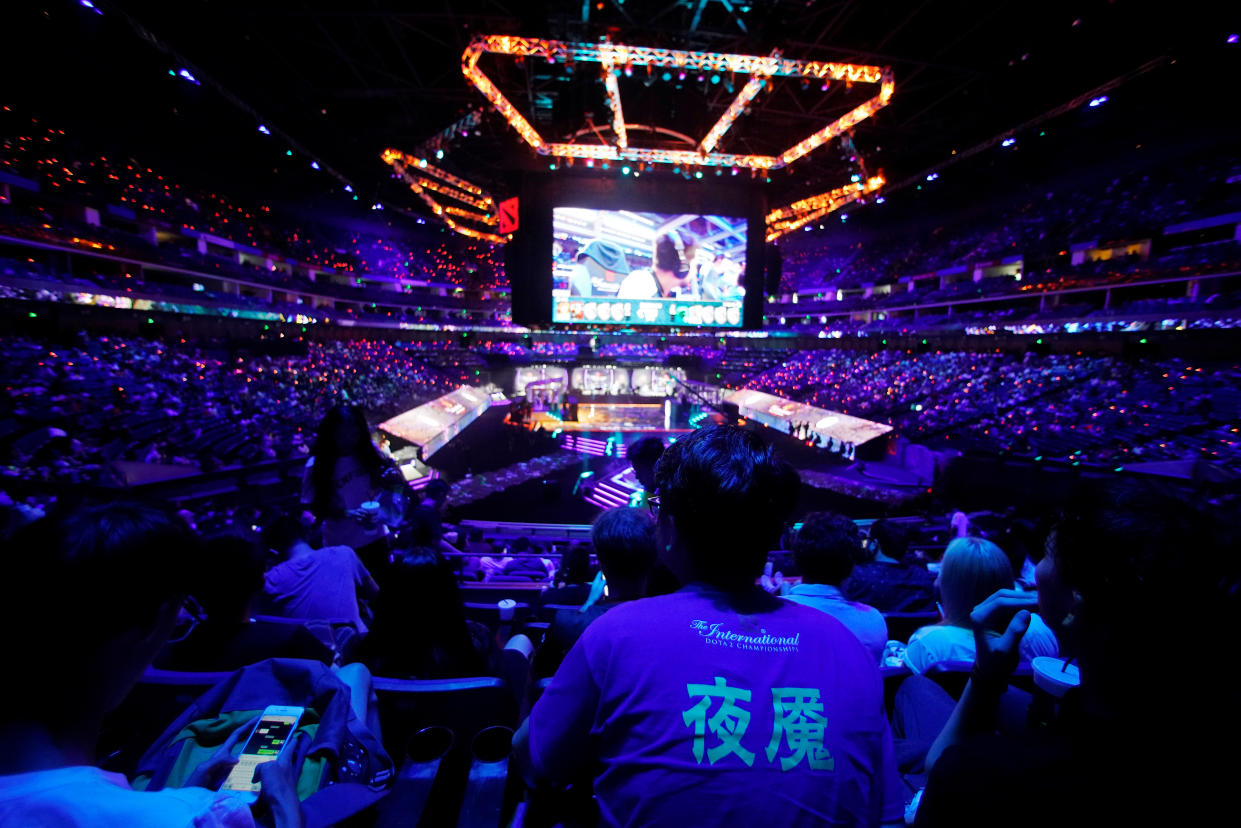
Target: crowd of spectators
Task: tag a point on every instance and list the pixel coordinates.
(1132, 204)
(1079, 408)
(76, 175)
(680, 603)
(71, 410)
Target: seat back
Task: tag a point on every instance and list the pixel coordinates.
(337, 634)
(547, 612)
(465, 706)
(489, 614)
(953, 676)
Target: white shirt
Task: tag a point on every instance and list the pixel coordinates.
(87, 797)
(945, 642)
(352, 485)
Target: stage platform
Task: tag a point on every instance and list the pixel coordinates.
(609, 418)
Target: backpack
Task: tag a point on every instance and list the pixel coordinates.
(344, 768)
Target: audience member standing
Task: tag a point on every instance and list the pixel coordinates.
(345, 471)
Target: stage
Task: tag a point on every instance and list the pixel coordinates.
(611, 418)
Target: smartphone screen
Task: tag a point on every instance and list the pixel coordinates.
(265, 743)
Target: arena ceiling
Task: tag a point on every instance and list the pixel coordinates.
(347, 79)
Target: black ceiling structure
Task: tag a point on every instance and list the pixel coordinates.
(343, 80)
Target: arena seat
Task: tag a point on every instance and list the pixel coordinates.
(463, 705)
(489, 614)
(953, 675)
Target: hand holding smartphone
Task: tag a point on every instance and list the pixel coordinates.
(267, 742)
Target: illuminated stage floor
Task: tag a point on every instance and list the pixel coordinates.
(608, 417)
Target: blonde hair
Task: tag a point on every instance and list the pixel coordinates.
(972, 569)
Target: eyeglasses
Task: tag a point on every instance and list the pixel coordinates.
(190, 616)
(652, 502)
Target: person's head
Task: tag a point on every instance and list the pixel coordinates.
(93, 593)
(643, 454)
(423, 586)
(283, 532)
(826, 547)
(342, 431)
(420, 619)
(624, 541)
(230, 574)
(972, 569)
(889, 538)
(1133, 568)
(575, 565)
(668, 262)
(724, 498)
(436, 494)
(423, 529)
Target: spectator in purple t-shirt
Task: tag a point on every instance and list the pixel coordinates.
(314, 583)
(718, 703)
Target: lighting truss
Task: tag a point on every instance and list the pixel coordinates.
(800, 213)
(419, 174)
(615, 57)
(448, 134)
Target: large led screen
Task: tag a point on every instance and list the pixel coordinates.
(621, 267)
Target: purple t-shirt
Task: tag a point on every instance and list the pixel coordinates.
(322, 584)
(687, 712)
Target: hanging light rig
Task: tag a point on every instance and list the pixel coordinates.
(429, 181)
(615, 58)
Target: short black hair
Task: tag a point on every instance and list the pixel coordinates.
(729, 497)
(423, 529)
(645, 450)
(575, 565)
(826, 548)
(80, 578)
(230, 573)
(891, 538)
(111, 566)
(284, 531)
(437, 491)
(624, 541)
(643, 454)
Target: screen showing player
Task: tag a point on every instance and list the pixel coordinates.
(626, 268)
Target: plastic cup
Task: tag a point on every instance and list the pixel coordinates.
(1052, 677)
